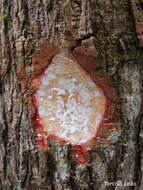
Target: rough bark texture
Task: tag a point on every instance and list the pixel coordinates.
(107, 25)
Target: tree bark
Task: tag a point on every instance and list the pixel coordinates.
(109, 27)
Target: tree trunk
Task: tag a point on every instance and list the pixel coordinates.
(109, 27)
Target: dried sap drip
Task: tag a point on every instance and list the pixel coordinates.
(70, 105)
(42, 141)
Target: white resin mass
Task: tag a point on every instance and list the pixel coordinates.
(71, 106)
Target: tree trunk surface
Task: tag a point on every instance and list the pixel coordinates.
(113, 28)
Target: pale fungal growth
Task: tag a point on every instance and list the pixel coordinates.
(71, 106)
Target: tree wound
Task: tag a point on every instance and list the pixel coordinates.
(71, 106)
(74, 103)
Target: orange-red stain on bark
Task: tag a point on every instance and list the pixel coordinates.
(42, 141)
(87, 60)
(81, 154)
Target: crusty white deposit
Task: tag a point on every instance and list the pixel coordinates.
(71, 106)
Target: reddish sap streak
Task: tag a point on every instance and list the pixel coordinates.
(81, 154)
(42, 141)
